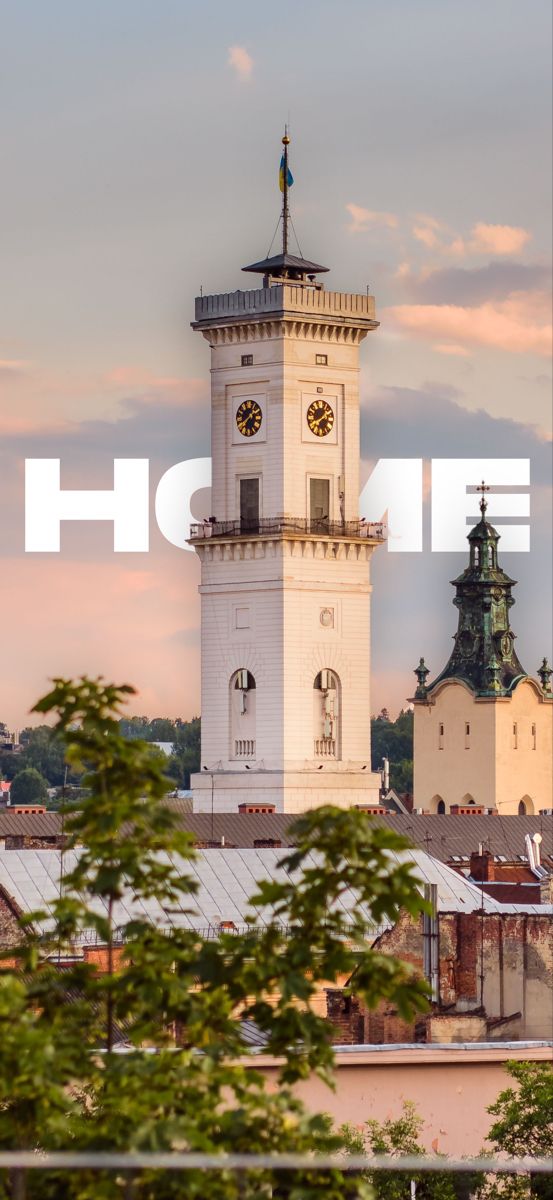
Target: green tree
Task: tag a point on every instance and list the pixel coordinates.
(57, 1091)
(185, 759)
(401, 1137)
(524, 1126)
(44, 750)
(394, 740)
(29, 787)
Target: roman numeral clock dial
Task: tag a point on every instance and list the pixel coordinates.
(248, 418)
(320, 418)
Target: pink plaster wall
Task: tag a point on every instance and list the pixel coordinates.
(450, 1086)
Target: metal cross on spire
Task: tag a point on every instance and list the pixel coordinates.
(483, 487)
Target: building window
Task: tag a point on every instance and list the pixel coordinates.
(440, 736)
(249, 505)
(515, 736)
(490, 556)
(326, 715)
(477, 556)
(467, 736)
(441, 808)
(242, 714)
(534, 737)
(247, 360)
(319, 504)
(321, 360)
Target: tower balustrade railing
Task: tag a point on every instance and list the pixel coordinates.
(279, 526)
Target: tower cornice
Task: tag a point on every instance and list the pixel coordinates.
(285, 310)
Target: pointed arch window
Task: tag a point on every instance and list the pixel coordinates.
(491, 556)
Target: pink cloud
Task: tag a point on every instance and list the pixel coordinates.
(520, 324)
(500, 240)
(241, 61)
(363, 219)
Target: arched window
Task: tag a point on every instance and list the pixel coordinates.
(490, 556)
(521, 808)
(242, 715)
(476, 556)
(326, 715)
(437, 804)
(526, 807)
(441, 807)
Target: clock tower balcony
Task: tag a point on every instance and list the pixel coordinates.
(288, 527)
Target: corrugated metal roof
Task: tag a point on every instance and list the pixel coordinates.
(226, 880)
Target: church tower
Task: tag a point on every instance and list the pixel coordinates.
(483, 728)
(285, 591)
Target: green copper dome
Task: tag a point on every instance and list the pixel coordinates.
(484, 651)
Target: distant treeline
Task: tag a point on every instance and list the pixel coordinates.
(44, 750)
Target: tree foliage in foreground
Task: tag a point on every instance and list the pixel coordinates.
(398, 1137)
(523, 1126)
(63, 1083)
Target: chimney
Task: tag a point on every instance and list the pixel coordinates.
(482, 866)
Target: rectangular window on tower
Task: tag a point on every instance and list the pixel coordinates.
(247, 360)
(319, 504)
(467, 736)
(534, 737)
(321, 360)
(515, 736)
(249, 505)
(440, 736)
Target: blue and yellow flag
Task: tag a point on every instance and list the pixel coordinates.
(289, 176)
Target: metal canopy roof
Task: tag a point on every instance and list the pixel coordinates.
(288, 266)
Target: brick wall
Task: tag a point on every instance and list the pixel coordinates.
(517, 981)
(10, 933)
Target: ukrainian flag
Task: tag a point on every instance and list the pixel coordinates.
(289, 176)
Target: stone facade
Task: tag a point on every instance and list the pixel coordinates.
(503, 761)
(483, 729)
(285, 597)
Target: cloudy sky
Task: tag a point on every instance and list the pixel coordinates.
(140, 148)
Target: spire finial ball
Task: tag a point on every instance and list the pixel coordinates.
(286, 140)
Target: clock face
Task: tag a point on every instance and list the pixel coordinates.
(248, 418)
(320, 418)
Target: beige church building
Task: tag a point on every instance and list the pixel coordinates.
(285, 559)
(483, 727)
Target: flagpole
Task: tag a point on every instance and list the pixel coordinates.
(285, 213)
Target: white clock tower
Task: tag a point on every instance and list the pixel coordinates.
(285, 589)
